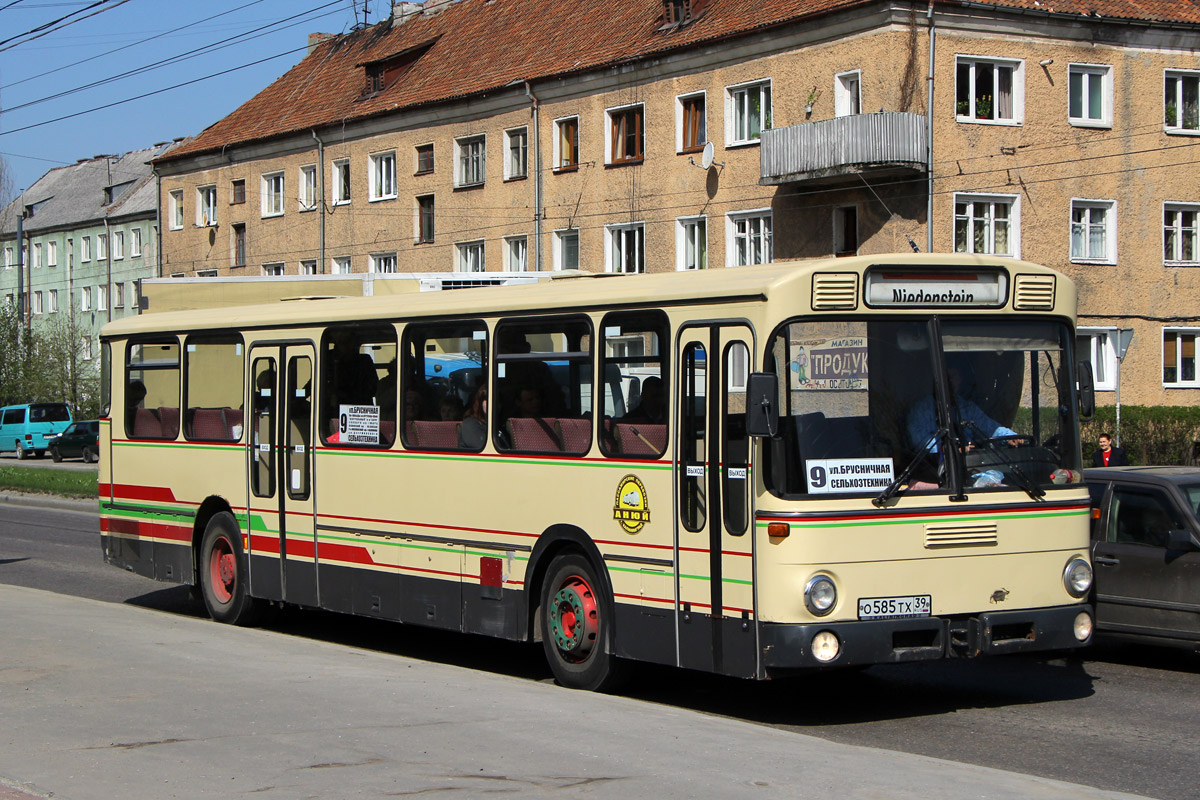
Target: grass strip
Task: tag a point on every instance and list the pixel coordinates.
(67, 483)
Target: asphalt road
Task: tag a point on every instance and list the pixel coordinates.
(1121, 719)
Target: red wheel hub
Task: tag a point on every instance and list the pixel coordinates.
(575, 619)
(222, 569)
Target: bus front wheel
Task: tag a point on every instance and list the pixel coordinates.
(222, 573)
(576, 625)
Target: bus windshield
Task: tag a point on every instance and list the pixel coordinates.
(861, 403)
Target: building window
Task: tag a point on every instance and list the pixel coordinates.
(383, 263)
(85, 249)
(516, 148)
(425, 226)
(135, 242)
(1098, 347)
(206, 206)
(238, 246)
(101, 246)
(691, 129)
(1093, 231)
(471, 160)
(118, 250)
(847, 94)
(845, 231)
(52, 301)
(37, 303)
(424, 159)
(203, 273)
(1181, 101)
(237, 192)
(37, 254)
(272, 194)
(8, 258)
(308, 187)
(625, 134)
(989, 91)
(1089, 95)
(101, 298)
(691, 243)
(566, 249)
(340, 265)
(1179, 233)
(382, 180)
(85, 299)
(52, 254)
(85, 347)
(749, 238)
(566, 143)
(986, 224)
(341, 181)
(470, 257)
(274, 269)
(516, 257)
(175, 201)
(308, 267)
(626, 248)
(119, 295)
(1179, 357)
(747, 112)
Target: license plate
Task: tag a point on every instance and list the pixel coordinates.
(918, 605)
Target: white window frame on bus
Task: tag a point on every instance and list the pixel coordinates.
(470, 256)
(617, 241)
(765, 237)
(1088, 218)
(562, 253)
(1014, 222)
(1098, 347)
(1180, 347)
(691, 243)
(1176, 234)
(274, 184)
(1085, 83)
(967, 101)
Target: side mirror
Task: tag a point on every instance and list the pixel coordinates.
(1179, 539)
(1087, 389)
(762, 416)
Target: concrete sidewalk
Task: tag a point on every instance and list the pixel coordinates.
(102, 701)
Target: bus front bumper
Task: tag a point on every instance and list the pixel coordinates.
(787, 647)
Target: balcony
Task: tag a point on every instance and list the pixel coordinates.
(887, 144)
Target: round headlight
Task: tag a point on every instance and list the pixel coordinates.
(1083, 626)
(1077, 577)
(820, 595)
(825, 647)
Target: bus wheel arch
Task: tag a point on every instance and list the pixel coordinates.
(221, 566)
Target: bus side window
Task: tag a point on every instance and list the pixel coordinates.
(152, 390)
(444, 386)
(213, 371)
(358, 386)
(635, 391)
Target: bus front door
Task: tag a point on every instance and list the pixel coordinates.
(282, 550)
(713, 479)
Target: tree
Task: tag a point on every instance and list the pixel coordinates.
(47, 365)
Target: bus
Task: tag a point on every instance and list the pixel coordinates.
(756, 472)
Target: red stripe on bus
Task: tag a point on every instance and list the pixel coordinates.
(643, 597)
(131, 491)
(145, 530)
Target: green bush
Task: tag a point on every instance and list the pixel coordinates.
(1149, 434)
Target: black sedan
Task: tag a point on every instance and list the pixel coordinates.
(77, 441)
(1146, 552)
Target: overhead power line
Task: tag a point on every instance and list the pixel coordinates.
(60, 23)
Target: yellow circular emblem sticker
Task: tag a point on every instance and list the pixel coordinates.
(632, 509)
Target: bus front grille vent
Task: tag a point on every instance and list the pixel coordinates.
(938, 536)
(835, 290)
(1034, 292)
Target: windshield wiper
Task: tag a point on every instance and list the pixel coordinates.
(1031, 488)
(941, 434)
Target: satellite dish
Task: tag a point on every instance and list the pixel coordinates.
(706, 160)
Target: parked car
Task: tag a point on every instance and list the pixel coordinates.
(25, 428)
(1146, 552)
(78, 441)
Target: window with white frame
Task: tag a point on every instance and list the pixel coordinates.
(8, 258)
(52, 301)
(272, 194)
(202, 273)
(175, 208)
(383, 263)
(1089, 95)
(340, 265)
(382, 179)
(691, 125)
(847, 93)
(1181, 101)
(1098, 347)
(1094, 231)
(516, 258)
(747, 112)
(37, 302)
(85, 299)
(566, 249)
(135, 242)
(118, 245)
(274, 269)
(85, 347)
(516, 149)
(101, 246)
(341, 181)
(986, 224)
(118, 295)
(691, 243)
(101, 298)
(52, 254)
(206, 206)
(470, 158)
(845, 231)
(308, 187)
(566, 144)
(308, 266)
(85, 249)
(626, 251)
(989, 90)
(624, 134)
(748, 237)
(470, 257)
(37, 254)
(1179, 233)
(1179, 357)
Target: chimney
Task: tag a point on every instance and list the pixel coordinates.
(402, 12)
(314, 39)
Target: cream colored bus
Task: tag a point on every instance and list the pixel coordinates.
(751, 471)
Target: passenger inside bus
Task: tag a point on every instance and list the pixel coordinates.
(651, 408)
(354, 378)
(473, 431)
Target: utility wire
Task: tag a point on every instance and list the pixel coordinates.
(47, 28)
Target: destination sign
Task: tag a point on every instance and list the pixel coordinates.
(937, 288)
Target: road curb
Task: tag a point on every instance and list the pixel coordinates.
(50, 501)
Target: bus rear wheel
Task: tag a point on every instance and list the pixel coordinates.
(576, 625)
(222, 573)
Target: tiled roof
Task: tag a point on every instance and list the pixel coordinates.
(477, 46)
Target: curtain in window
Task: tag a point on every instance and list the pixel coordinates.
(1004, 93)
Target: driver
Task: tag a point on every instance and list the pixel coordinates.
(975, 423)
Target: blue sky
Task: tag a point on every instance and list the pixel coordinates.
(142, 33)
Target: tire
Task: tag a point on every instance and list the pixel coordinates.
(88, 456)
(576, 622)
(57, 456)
(21, 454)
(221, 572)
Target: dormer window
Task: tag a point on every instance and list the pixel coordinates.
(681, 12)
(383, 73)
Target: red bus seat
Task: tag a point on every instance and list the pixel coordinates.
(640, 438)
(435, 434)
(575, 435)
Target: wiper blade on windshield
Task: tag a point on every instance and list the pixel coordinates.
(1031, 488)
(899, 480)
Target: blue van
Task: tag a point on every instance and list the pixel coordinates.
(26, 429)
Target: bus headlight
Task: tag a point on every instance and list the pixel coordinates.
(825, 647)
(820, 595)
(1077, 577)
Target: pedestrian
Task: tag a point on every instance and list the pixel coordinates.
(1108, 455)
